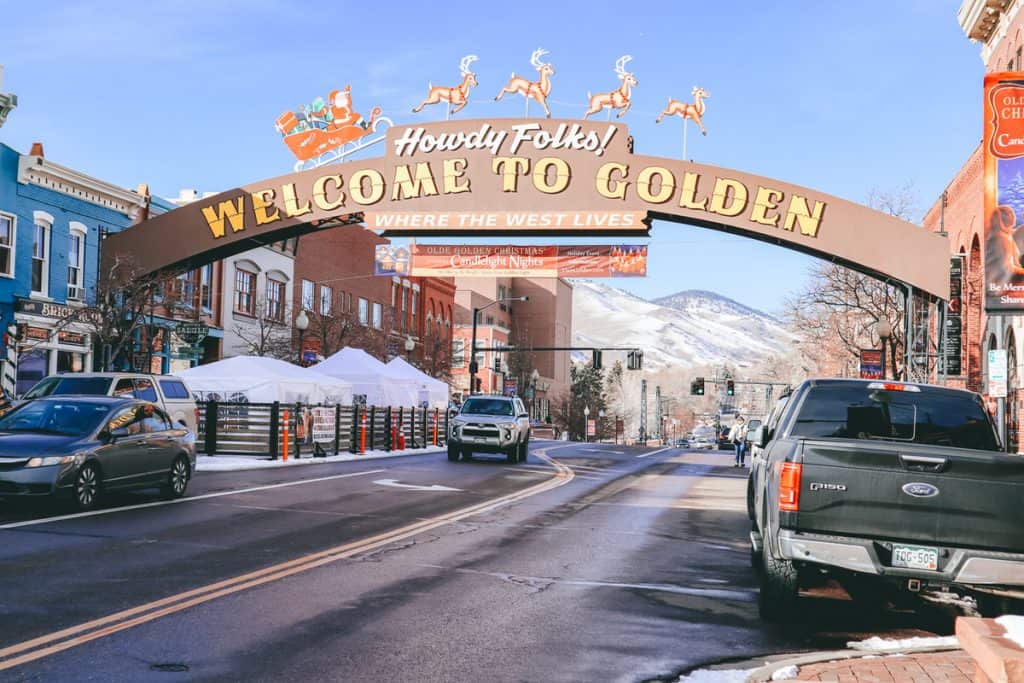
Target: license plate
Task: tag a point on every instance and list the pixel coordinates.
(915, 557)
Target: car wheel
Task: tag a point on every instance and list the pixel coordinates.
(780, 588)
(512, 455)
(467, 455)
(524, 451)
(453, 453)
(87, 487)
(177, 479)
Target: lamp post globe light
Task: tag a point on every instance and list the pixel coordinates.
(410, 345)
(534, 378)
(884, 330)
(473, 367)
(301, 324)
(586, 420)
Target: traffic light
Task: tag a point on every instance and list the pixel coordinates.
(635, 360)
(730, 387)
(697, 387)
(596, 359)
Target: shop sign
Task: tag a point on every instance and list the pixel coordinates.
(49, 309)
(997, 373)
(1003, 146)
(954, 317)
(37, 333)
(72, 338)
(870, 364)
(192, 332)
(511, 387)
(591, 427)
(453, 260)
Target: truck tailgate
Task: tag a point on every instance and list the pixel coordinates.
(912, 492)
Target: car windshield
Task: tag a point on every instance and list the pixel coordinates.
(87, 386)
(925, 417)
(67, 418)
(487, 406)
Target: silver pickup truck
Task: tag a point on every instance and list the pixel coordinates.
(490, 424)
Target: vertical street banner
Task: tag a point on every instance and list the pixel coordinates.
(1003, 145)
(954, 317)
(997, 373)
(871, 364)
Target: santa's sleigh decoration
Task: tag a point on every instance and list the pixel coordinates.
(329, 131)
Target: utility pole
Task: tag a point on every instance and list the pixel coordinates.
(643, 411)
(657, 401)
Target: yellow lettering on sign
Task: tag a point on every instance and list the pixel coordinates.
(688, 193)
(510, 168)
(540, 175)
(666, 184)
(320, 198)
(454, 169)
(357, 191)
(726, 202)
(261, 201)
(227, 210)
(764, 201)
(798, 213)
(291, 202)
(410, 186)
(609, 187)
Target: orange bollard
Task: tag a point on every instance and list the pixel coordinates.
(362, 435)
(284, 451)
(435, 427)
(401, 435)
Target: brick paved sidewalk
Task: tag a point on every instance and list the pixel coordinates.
(954, 666)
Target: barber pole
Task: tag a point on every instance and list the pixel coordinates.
(9, 378)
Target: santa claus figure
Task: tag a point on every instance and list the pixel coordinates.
(340, 102)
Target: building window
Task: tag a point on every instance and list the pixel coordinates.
(326, 296)
(275, 300)
(245, 286)
(76, 262)
(7, 245)
(307, 295)
(185, 288)
(205, 293)
(41, 256)
(458, 353)
(378, 316)
(413, 307)
(364, 311)
(394, 294)
(348, 301)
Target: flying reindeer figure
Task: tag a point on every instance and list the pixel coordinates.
(616, 99)
(536, 90)
(459, 95)
(687, 111)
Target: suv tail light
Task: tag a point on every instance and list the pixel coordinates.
(789, 486)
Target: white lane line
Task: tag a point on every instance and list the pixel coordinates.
(76, 515)
(660, 450)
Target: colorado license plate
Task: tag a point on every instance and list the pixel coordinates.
(915, 557)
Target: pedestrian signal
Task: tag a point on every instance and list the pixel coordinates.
(596, 359)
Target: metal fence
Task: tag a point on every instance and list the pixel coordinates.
(301, 430)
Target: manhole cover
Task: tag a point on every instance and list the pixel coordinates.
(169, 667)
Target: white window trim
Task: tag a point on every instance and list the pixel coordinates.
(307, 306)
(80, 229)
(14, 241)
(44, 220)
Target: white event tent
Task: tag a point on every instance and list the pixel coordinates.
(371, 378)
(255, 379)
(435, 389)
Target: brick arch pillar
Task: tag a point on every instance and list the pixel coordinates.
(973, 332)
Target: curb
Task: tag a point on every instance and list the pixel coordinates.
(298, 462)
(765, 672)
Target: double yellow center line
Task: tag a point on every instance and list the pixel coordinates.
(65, 639)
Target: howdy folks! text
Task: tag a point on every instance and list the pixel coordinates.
(565, 137)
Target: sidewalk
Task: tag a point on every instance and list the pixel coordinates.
(230, 463)
(953, 666)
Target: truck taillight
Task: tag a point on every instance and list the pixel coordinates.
(789, 486)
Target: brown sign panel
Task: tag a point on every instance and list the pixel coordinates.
(512, 168)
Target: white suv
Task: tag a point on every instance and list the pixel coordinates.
(490, 424)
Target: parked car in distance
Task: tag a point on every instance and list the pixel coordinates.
(490, 424)
(86, 446)
(682, 443)
(169, 392)
(889, 488)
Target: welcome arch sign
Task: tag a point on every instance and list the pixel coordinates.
(532, 177)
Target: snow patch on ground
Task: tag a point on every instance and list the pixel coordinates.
(786, 673)
(231, 463)
(1014, 626)
(877, 644)
(715, 676)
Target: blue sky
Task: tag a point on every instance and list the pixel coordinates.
(837, 96)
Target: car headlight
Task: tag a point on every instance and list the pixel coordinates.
(508, 425)
(51, 460)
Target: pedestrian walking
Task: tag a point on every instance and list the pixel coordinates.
(738, 437)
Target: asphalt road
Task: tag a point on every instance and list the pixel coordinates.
(588, 562)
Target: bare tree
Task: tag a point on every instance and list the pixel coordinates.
(268, 333)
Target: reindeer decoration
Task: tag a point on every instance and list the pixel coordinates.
(618, 98)
(459, 95)
(536, 90)
(687, 111)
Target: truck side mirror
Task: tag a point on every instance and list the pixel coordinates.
(760, 436)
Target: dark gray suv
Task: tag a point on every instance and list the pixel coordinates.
(490, 424)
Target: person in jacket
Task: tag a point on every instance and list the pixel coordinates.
(738, 437)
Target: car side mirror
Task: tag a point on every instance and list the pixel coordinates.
(757, 437)
(523, 415)
(183, 423)
(113, 435)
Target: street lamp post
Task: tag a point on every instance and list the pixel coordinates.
(884, 331)
(586, 423)
(301, 324)
(473, 368)
(534, 378)
(410, 345)
(600, 422)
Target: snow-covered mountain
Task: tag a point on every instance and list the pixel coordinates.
(688, 329)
